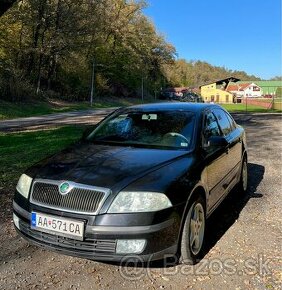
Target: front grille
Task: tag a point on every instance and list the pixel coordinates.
(80, 199)
(87, 246)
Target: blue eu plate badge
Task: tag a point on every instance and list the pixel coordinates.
(33, 219)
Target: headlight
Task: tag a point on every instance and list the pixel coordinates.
(24, 184)
(139, 202)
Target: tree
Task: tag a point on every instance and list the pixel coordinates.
(52, 45)
(277, 78)
(47, 48)
(195, 73)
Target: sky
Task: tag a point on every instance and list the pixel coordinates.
(239, 35)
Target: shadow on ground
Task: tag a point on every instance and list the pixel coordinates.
(229, 210)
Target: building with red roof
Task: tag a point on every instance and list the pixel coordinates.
(245, 90)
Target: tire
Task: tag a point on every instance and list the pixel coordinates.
(243, 183)
(193, 233)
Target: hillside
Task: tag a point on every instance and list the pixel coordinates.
(184, 73)
(56, 48)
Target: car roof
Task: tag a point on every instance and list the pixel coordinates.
(192, 107)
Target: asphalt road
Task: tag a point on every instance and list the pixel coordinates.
(243, 248)
(61, 119)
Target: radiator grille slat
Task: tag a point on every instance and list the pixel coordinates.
(78, 199)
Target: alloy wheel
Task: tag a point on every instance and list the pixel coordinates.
(197, 228)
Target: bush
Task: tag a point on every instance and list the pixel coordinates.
(13, 85)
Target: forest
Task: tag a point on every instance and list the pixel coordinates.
(55, 48)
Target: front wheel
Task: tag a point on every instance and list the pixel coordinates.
(193, 233)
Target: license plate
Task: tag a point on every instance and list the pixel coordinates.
(57, 225)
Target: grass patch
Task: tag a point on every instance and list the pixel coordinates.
(119, 102)
(9, 110)
(233, 108)
(21, 150)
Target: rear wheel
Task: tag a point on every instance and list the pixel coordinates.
(193, 233)
(243, 183)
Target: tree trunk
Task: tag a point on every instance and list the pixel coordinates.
(54, 54)
(36, 35)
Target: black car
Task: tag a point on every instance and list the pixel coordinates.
(141, 184)
(191, 97)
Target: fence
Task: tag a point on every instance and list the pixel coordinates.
(277, 105)
(268, 104)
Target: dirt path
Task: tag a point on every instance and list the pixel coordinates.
(243, 249)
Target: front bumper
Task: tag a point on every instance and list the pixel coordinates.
(102, 232)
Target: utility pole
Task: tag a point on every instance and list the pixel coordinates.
(142, 88)
(92, 83)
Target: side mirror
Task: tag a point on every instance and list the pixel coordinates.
(216, 141)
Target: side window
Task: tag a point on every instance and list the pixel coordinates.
(232, 122)
(223, 121)
(211, 126)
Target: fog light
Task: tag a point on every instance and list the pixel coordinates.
(130, 246)
(16, 221)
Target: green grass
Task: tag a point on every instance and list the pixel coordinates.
(119, 102)
(9, 110)
(242, 108)
(20, 150)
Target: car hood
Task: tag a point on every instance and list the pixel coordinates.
(103, 165)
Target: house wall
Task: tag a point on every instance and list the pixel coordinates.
(250, 93)
(267, 87)
(238, 93)
(211, 94)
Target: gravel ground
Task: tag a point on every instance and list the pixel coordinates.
(243, 249)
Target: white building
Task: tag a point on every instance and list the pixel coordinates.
(249, 90)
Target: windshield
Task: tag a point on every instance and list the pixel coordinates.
(162, 129)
